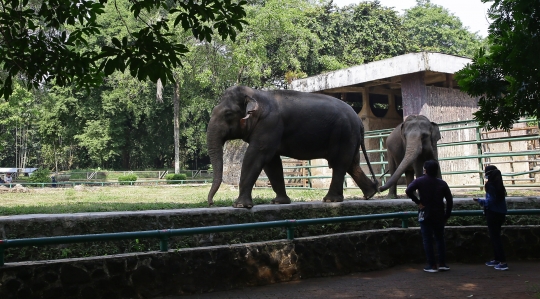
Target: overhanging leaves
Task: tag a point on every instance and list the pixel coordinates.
(44, 43)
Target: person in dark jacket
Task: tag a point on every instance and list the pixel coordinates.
(495, 210)
(432, 214)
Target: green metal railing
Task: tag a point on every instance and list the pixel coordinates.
(165, 234)
(102, 184)
(480, 157)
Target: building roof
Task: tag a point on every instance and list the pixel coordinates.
(384, 73)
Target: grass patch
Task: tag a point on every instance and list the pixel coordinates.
(138, 198)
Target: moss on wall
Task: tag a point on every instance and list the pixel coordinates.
(28, 226)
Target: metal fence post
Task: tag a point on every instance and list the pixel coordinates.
(383, 178)
(404, 222)
(291, 224)
(479, 151)
(164, 240)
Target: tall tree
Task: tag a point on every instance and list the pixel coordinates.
(355, 34)
(19, 139)
(275, 42)
(506, 76)
(431, 27)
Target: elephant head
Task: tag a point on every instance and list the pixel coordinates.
(418, 138)
(233, 118)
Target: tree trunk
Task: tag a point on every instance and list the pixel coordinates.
(176, 99)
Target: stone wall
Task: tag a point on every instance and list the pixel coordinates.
(30, 226)
(208, 269)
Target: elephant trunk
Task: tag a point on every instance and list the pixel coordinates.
(411, 154)
(215, 151)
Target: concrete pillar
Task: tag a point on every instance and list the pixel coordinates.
(392, 110)
(413, 91)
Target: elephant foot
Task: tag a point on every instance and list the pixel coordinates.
(248, 204)
(392, 196)
(333, 198)
(370, 194)
(282, 200)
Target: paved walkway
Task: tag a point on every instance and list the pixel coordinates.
(522, 280)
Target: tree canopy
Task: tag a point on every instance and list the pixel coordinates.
(506, 75)
(431, 27)
(117, 123)
(47, 40)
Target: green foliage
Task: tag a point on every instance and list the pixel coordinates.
(352, 35)
(57, 50)
(506, 76)
(431, 27)
(174, 178)
(40, 175)
(119, 124)
(127, 179)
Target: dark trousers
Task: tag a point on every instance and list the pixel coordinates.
(494, 222)
(430, 230)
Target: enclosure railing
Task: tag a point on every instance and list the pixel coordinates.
(103, 184)
(164, 234)
(482, 157)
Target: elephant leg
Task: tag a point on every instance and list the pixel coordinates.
(254, 159)
(335, 193)
(418, 168)
(274, 171)
(392, 191)
(367, 186)
(409, 177)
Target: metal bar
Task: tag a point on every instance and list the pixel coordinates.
(290, 229)
(164, 235)
(501, 140)
(404, 222)
(496, 155)
(480, 153)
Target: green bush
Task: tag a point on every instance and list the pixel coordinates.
(40, 175)
(127, 179)
(173, 178)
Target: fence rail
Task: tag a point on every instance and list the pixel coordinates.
(304, 172)
(103, 184)
(164, 234)
(481, 156)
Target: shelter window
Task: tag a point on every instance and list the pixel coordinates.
(378, 104)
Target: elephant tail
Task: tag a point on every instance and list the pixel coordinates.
(363, 146)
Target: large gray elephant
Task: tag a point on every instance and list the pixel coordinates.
(410, 144)
(299, 125)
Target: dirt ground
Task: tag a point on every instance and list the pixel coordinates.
(522, 280)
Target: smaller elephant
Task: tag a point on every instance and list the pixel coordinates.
(410, 144)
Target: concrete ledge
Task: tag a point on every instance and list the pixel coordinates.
(31, 226)
(207, 269)
(381, 204)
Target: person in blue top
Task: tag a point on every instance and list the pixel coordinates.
(432, 215)
(495, 209)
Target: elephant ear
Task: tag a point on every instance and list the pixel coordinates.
(252, 108)
(435, 133)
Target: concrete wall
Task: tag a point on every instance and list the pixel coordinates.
(200, 270)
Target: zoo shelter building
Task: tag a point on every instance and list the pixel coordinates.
(385, 92)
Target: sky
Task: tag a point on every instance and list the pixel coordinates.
(472, 13)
